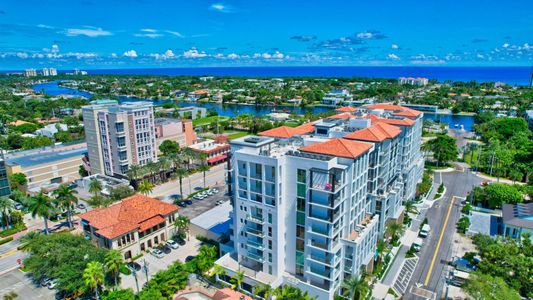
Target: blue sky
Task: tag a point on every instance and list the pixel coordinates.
(96, 34)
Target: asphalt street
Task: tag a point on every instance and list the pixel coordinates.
(442, 217)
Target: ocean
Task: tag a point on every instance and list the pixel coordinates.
(509, 75)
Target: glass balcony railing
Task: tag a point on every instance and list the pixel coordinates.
(254, 232)
(321, 272)
(320, 245)
(319, 230)
(328, 259)
(255, 218)
(256, 257)
(255, 245)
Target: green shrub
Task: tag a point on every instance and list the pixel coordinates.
(124, 270)
(440, 190)
(9, 239)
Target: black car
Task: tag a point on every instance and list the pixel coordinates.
(189, 202)
(134, 266)
(189, 258)
(182, 204)
(166, 249)
(180, 242)
(81, 206)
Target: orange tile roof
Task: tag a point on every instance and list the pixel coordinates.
(137, 211)
(375, 133)
(402, 122)
(307, 127)
(338, 147)
(408, 113)
(284, 132)
(229, 294)
(346, 109)
(341, 116)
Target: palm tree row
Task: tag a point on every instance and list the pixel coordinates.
(94, 273)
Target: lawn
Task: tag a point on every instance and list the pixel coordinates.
(208, 120)
(237, 135)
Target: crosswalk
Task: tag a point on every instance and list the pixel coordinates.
(406, 272)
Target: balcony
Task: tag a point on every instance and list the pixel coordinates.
(255, 218)
(320, 245)
(328, 259)
(327, 181)
(256, 257)
(255, 245)
(325, 200)
(325, 273)
(319, 230)
(255, 232)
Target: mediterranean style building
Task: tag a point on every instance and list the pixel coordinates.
(311, 202)
(119, 135)
(132, 226)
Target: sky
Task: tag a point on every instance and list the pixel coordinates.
(94, 34)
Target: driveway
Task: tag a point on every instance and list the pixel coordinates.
(157, 264)
(22, 285)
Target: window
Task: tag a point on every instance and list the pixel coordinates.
(301, 190)
(300, 245)
(270, 257)
(270, 218)
(269, 231)
(300, 204)
(301, 176)
(119, 126)
(269, 244)
(300, 218)
(300, 232)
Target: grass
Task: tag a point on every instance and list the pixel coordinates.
(11, 231)
(9, 239)
(237, 135)
(468, 157)
(208, 120)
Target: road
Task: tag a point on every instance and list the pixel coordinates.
(442, 217)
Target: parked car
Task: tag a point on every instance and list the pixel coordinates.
(81, 206)
(45, 281)
(133, 266)
(215, 190)
(158, 253)
(219, 202)
(209, 193)
(189, 202)
(165, 249)
(172, 244)
(189, 258)
(18, 206)
(182, 204)
(52, 284)
(198, 197)
(181, 242)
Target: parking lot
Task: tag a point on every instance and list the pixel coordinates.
(22, 285)
(157, 264)
(198, 207)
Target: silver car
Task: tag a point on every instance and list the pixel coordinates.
(158, 253)
(172, 244)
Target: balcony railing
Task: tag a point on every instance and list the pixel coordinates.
(256, 257)
(255, 218)
(317, 229)
(255, 245)
(255, 232)
(328, 259)
(324, 273)
(320, 245)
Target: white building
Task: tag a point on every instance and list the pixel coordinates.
(30, 72)
(308, 200)
(336, 97)
(413, 81)
(51, 129)
(119, 136)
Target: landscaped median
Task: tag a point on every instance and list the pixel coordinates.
(3, 241)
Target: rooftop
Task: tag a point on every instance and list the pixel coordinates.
(346, 109)
(519, 215)
(397, 109)
(33, 158)
(375, 133)
(135, 212)
(283, 132)
(338, 147)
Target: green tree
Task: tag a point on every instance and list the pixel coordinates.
(463, 224)
(120, 192)
(18, 180)
(443, 147)
(181, 173)
(66, 198)
(393, 230)
(496, 194)
(95, 187)
(288, 292)
(182, 225)
(41, 205)
(119, 295)
(236, 280)
(169, 147)
(146, 187)
(6, 205)
(410, 207)
(93, 275)
(10, 296)
(485, 287)
(203, 168)
(82, 172)
(357, 287)
(113, 262)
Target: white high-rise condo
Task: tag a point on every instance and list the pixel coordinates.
(119, 135)
(310, 202)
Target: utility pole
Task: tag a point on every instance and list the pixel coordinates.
(134, 273)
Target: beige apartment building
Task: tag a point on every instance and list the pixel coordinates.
(131, 226)
(45, 167)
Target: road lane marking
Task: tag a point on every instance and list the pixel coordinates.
(428, 276)
(8, 253)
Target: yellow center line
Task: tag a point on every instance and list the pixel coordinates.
(8, 253)
(439, 242)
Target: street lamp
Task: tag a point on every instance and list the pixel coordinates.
(134, 273)
(145, 269)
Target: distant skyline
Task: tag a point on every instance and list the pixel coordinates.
(96, 34)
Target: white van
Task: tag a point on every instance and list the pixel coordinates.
(417, 244)
(424, 232)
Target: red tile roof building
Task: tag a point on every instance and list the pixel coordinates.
(132, 225)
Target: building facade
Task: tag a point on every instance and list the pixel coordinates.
(310, 202)
(132, 226)
(119, 136)
(180, 131)
(5, 189)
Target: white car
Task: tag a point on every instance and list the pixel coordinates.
(172, 244)
(219, 202)
(215, 191)
(210, 192)
(158, 253)
(52, 284)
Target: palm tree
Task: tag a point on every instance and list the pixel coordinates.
(41, 205)
(94, 276)
(288, 292)
(237, 280)
(380, 248)
(65, 197)
(264, 291)
(393, 229)
(113, 261)
(182, 224)
(6, 205)
(218, 270)
(357, 287)
(133, 172)
(410, 207)
(203, 168)
(10, 296)
(95, 187)
(164, 165)
(27, 238)
(146, 187)
(180, 173)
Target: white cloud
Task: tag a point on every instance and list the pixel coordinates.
(22, 55)
(174, 33)
(394, 46)
(506, 45)
(266, 55)
(278, 55)
(114, 55)
(148, 35)
(193, 53)
(365, 35)
(148, 30)
(220, 8)
(130, 53)
(55, 48)
(393, 56)
(45, 26)
(87, 31)
(233, 56)
(80, 55)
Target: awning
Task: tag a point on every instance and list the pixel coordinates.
(217, 158)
